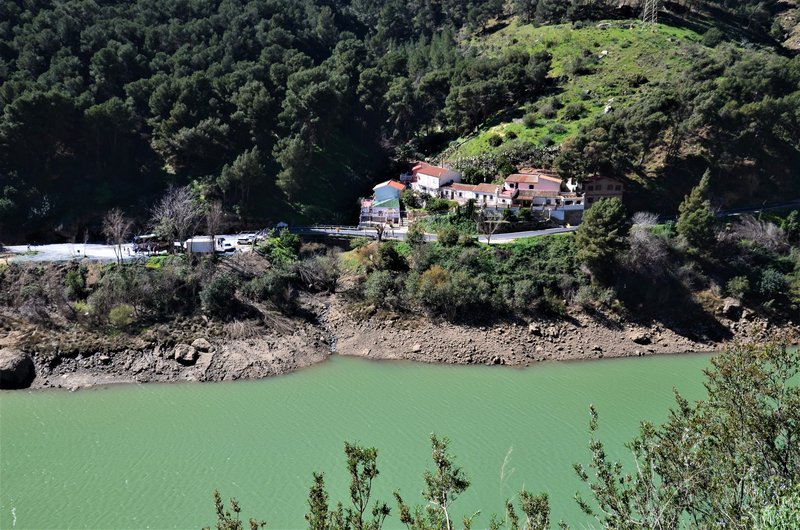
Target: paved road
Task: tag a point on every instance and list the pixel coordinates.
(99, 252)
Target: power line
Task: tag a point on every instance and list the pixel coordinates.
(650, 11)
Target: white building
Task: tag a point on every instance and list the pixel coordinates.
(430, 179)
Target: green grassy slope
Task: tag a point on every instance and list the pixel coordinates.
(634, 55)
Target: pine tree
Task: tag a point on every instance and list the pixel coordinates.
(696, 220)
(601, 237)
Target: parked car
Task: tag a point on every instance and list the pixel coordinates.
(246, 239)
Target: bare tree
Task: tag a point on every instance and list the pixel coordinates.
(116, 229)
(763, 232)
(214, 218)
(176, 215)
(488, 224)
(644, 219)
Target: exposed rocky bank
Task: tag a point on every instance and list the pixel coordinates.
(196, 349)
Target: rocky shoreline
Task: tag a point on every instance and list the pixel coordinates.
(198, 350)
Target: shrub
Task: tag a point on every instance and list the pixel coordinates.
(594, 295)
(772, 283)
(320, 273)
(217, 297)
(549, 108)
(448, 236)
(121, 316)
(738, 287)
(358, 242)
(75, 284)
(511, 135)
(557, 128)
(31, 292)
(409, 199)
(495, 140)
(275, 286)
(530, 119)
(574, 111)
(437, 205)
(547, 141)
(389, 258)
(713, 37)
(379, 289)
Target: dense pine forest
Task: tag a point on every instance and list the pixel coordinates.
(291, 109)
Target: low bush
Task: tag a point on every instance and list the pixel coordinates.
(121, 316)
(495, 140)
(274, 286)
(738, 287)
(75, 284)
(358, 242)
(218, 296)
(530, 120)
(594, 295)
(448, 236)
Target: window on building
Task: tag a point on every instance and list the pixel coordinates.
(618, 188)
(589, 188)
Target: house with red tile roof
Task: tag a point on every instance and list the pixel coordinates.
(384, 206)
(430, 179)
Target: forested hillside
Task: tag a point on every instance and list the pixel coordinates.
(291, 109)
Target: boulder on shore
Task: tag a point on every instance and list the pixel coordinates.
(732, 308)
(185, 354)
(16, 369)
(201, 344)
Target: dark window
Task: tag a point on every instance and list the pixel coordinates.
(610, 187)
(589, 188)
(618, 188)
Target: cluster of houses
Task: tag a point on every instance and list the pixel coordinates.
(538, 190)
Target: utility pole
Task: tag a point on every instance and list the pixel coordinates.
(650, 11)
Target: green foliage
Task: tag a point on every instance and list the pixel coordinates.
(121, 316)
(363, 469)
(443, 486)
(738, 286)
(437, 205)
(724, 458)
(359, 242)
(772, 283)
(495, 140)
(275, 286)
(281, 247)
(75, 282)
(231, 521)
(791, 226)
(448, 236)
(712, 37)
(784, 514)
(594, 295)
(600, 238)
(218, 295)
(696, 221)
(409, 199)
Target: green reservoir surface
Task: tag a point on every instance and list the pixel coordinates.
(150, 456)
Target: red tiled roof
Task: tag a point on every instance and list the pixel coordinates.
(522, 179)
(393, 183)
(486, 188)
(459, 187)
(529, 175)
(433, 171)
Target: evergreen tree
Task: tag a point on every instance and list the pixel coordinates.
(601, 236)
(696, 220)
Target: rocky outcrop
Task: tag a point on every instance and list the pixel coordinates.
(202, 345)
(185, 354)
(16, 369)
